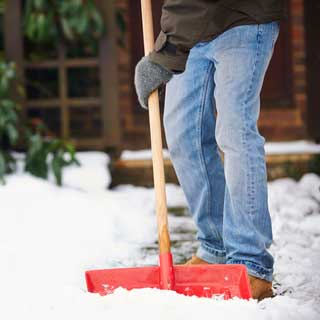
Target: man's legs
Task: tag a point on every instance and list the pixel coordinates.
(238, 60)
(241, 57)
(190, 125)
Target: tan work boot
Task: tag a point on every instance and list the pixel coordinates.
(260, 289)
(195, 260)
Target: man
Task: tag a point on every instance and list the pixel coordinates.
(213, 55)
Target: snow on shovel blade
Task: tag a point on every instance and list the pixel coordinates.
(225, 281)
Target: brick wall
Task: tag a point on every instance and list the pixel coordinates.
(298, 56)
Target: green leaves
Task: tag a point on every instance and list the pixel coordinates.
(39, 4)
(7, 164)
(39, 21)
(63, 155)
(74, 20)
(3, 167)
(12, 133)
(8, 119)
(36, 157)
(45, 154)
(7, 74)
(80, 20)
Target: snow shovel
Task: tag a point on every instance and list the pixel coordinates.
(223, 281)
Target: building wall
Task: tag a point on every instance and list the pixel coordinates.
(287, 122)
(299, 60)
(298, 55)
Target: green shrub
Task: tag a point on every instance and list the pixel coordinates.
(314, 164)
(80, 20)
(44, 154)
(39, 21)
(7, 164)
(8, 120)
(73, 20)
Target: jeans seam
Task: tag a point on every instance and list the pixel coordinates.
(245, 131)
(199, 146)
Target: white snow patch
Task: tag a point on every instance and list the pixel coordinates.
(92, 175)
(49, 236)
(292, 147)
(145, 154)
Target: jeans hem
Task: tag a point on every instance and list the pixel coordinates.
(255, 270)
(211, 255)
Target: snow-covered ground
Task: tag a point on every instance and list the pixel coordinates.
(49, 236)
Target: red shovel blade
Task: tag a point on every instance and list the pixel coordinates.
(106, 281)
(227, 281)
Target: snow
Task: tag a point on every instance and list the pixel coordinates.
(292, 147)
(145, 154)
(271, 148)
(49, 236)
(92, 175)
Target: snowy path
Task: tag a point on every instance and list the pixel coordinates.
(49, 236)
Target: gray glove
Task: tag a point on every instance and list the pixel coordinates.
(148, 77)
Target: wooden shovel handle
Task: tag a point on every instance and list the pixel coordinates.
(156, 139)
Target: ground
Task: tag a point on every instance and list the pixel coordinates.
(49, 236)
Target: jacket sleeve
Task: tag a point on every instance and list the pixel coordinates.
(169, 55)
(182, 23)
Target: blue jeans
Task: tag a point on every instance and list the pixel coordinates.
(214, 104)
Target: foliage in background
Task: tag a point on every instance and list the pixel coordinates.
(8, 120)
(39, 21)
(296, 169)
(72, 21)
(43, 153)
(314, 165)
(76, 22)
(80, 20)
(293, 169)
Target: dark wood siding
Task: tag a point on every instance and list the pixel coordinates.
(312, 21)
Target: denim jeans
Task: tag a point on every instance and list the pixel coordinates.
(214, 104)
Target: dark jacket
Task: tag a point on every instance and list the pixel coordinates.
(184, 23)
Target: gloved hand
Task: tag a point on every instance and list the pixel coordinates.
(148, 77)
